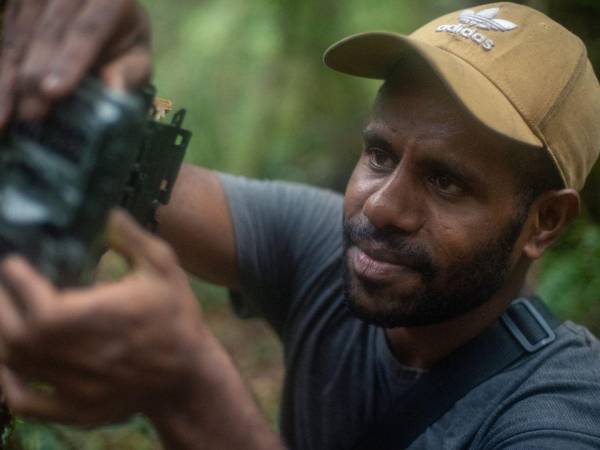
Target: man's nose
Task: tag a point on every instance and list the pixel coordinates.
(396, 204)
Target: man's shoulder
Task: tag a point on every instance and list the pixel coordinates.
(565, 374)
(574, 358)
(567, 371)
(553, 394)
(556, 391)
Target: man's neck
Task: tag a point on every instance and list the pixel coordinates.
(425, 346)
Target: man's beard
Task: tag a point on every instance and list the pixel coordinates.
(442, 296)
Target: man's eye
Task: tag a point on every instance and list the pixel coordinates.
(444, 184)
(380, 159)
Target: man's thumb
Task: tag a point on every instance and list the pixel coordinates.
(137, 245)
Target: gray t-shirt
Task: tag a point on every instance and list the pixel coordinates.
(340, 374)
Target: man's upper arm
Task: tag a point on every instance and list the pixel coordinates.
(288, 243)
(197, 223)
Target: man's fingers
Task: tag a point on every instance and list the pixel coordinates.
(24, 299)
(23, 400)
(7, 82)
(8, 76)
(28, 287)
(125, 236)
(32, 107)
(46, 41)
(50, 45)
(18, 19)
(130, 71)
(19, 16)
(26, 401)
(11, 323)
(93, 27)
(139, 246)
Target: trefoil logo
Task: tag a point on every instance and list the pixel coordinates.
(485, 19)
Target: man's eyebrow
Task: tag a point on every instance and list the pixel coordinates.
(452, 167)
(371, 136)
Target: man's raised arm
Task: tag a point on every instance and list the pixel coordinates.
(197, 224)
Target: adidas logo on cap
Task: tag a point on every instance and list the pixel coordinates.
(485, 20)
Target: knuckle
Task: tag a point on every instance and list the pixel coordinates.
(28, 77)
(163, 255)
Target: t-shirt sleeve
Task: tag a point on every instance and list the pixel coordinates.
(285, 234)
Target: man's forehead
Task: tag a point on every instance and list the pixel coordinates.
(423, 112)
(398, 131)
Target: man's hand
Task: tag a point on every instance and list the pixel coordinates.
(48, 46)
(96, 355)
(106, 351)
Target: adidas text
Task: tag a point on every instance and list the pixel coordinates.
(470, 33)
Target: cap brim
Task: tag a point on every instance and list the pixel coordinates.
(375, 54)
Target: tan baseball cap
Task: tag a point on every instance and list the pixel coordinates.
(515, 69)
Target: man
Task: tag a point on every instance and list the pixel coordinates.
(481, 135)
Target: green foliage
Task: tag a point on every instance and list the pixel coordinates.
(569, 279)
(137, 434)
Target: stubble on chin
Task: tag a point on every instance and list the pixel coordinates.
(378, 304)
(443, 296)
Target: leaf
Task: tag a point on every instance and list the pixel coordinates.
(467, 12)
(506, 25)
(489, 13)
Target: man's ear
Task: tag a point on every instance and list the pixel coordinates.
(549, 215)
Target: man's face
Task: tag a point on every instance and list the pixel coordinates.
(431, 213)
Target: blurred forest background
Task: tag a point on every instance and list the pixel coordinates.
(260, 103)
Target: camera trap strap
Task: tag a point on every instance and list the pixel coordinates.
(525, 328)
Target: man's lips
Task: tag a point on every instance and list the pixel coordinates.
(375, 266)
